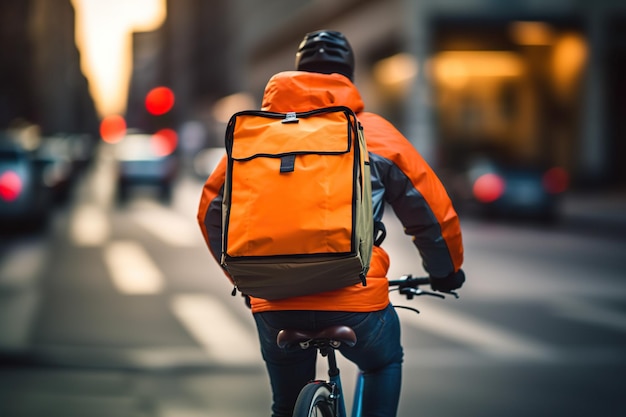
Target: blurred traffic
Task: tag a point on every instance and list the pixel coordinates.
(495, 186)
(541, 84)
(24, 195)
(37, 174)
(146, 160)
(536, 88)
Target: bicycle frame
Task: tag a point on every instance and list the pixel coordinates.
(357, 402)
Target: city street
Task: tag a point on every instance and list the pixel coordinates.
(119, 310)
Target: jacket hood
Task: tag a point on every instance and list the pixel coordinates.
(298, 91)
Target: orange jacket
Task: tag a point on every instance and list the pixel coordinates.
(400, 178)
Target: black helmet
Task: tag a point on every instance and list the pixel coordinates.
(326, 52)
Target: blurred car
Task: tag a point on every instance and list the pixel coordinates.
(206, 160)
(509, 188)
(25, 200)
(54, 157)
(146, 160)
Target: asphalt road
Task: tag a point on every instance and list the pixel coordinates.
(120, 311)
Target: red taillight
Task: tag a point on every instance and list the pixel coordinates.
(164, 142)
(10, 186)
(159, 100)
(488, 188)
(555, 180)
(113, 128)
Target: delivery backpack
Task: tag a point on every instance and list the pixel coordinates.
(297, 206)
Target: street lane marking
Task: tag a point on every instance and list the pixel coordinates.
(21, 264)
(20, 269)
(223, 337)
(485, 338)
(89, 226)
(590, 313)
(131, 268)
(171, 228)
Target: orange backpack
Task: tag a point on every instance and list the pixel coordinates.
(297, 207)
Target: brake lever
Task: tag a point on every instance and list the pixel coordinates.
(410, 292)
(434, 294)
(453, 293)
(441, 294)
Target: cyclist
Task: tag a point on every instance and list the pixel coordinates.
(400, 177)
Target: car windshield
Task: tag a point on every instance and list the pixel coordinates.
(137, 147)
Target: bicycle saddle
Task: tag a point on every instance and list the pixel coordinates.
(342, 334)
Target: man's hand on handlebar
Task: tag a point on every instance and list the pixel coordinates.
(448, 284)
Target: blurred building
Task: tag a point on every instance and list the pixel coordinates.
(147, 73)
(192, 53)
(41, 82)
(539, 80)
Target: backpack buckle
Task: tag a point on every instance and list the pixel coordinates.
(290, 118)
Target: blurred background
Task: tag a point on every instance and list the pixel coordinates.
(112, 114)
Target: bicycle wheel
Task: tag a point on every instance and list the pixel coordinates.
(314, 401)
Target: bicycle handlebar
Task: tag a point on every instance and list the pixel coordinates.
(408, 286)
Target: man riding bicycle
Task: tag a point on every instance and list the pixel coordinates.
(400, 178)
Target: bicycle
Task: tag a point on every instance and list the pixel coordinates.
(324, 398)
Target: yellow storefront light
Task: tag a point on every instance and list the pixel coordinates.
(532, 33)
(396, 71)
(456, 68)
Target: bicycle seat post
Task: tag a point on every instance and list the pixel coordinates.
(325, 341)
(329, 352)
(333, 373)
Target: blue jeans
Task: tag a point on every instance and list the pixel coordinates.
(378, 353)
